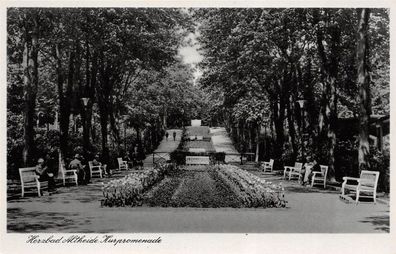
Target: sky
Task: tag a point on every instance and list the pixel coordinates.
(190, 53)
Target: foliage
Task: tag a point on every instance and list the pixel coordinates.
(380, 161)
(258, 63)
(125, 60)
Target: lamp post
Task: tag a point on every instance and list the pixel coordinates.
(301, 103)
(125, 118)
(85, 102)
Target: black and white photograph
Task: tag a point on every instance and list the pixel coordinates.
(251, 120)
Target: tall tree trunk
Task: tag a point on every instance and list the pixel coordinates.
(65, 101)
(104, 114)
(278, 115)
(30, 64)
(103, 127)
(292, 131)
(363, 81)
(86, 116)
(164, 119)
(328, 113)
(258, 128)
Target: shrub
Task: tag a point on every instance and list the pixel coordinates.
(178, 157)
(380, 162)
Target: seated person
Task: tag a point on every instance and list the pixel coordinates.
(311, 166)
(44, 175)
(76, 164)
(96, 162)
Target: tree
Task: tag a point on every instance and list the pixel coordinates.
(30, 65)
(363, 82)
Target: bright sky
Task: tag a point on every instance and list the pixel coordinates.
(190, 53)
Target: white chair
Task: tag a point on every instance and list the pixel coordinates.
(97, 169)
(122, 165)
(30, 180)
(320, 177)
(366, 184)
(267, 165)
(295, 171)
(66, 174)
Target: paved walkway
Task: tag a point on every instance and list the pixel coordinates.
(223, 143)
(309, 210)
(165, 147)
(77, 209)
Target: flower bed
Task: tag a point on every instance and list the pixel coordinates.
(197, 190)
(163, 194)
(128, 190)
(251, 190)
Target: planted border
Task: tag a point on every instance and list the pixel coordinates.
(128, 191)
(251, 190)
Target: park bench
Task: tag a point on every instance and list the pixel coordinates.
(320, 177)
(267, 165)
(195, 137)
(366, 184)
(66, 174)
(197, 150)
(96, 169)
(122, 165)
(197, 160)
(295, 171)
(29, 180)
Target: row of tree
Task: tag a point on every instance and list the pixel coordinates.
(121, 65)
(295, 71)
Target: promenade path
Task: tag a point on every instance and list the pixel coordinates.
(77, 209)
(223, 143)
(164, 148)
(309, 210)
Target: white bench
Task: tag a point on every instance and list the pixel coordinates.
(197, 160)
(295, 171)
(320, 177)
(66, 174)
(97, 169)
(267, 165)
(196, 137)
(29, 180)
(197, 150)
(366, 184)
(122, 165)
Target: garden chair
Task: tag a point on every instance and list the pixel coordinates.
(29, 180)
(293, 171)
(66, 174)
(122, 165)
(366, 184)
(97, 170)
(267, 165)
(320, 177)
